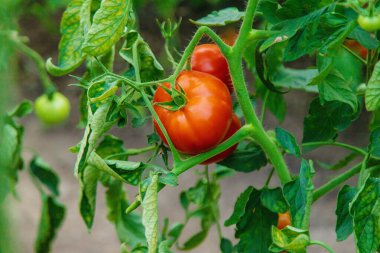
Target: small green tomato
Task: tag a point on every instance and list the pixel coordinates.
(54, 110)
(369, 24)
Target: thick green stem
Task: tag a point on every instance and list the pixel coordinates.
(273, 154)
(234, 58)
(335, 182)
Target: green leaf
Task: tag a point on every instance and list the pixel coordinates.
(364, 38)
(175, 231)
(290, 239)
(269, 9)
(253, 228)
(374, 146)
(23, 109)
(296, 79)
(344, 223)
(324, 122)
(52, 215)
(111, 146)
(129, 171)
(274, 200)
(291, 27)
(10, 155)
(196, 239)
(98, 123)
(372, 93)
(107, 27)
(101, 90)
(169, 179)
(164, 247)
(365, 209)
(87, 202)
(335, 88)
(150, 214)
(288, 142)
(240, 206)
(297, 8)
(246, 158)
(299, 195)
(45, 174)
(220, 18)
(70, 45)
(226, 246)
(150, 68)
(129, 227)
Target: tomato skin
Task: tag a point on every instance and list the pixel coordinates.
(369, 24)
(235, 125)
(209, 59)
(52, 111)
(357, 48)
(203, 121)
(283, 220)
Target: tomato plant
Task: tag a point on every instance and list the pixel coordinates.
(199, 125)
(53, 110)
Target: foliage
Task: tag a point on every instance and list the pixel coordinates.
(96, 34)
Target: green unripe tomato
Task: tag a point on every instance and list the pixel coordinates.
(369, 24)
(52, 111)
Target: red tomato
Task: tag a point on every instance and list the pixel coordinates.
(357, 48)
(283, 220)
(235, 125)
(203, 121)
(209, 59)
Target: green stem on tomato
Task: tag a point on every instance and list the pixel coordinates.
(185, 165)
(40, 64)
(335, 182)
(190, 162)
(322, 244)
(338, 144)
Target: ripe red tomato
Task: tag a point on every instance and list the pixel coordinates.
(283, 220)
(357, 48)
(235, 125)
(209, 59)
(203, 121)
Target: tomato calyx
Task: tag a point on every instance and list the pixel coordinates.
(178, 99)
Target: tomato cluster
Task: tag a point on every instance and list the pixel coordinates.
(206, 119)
